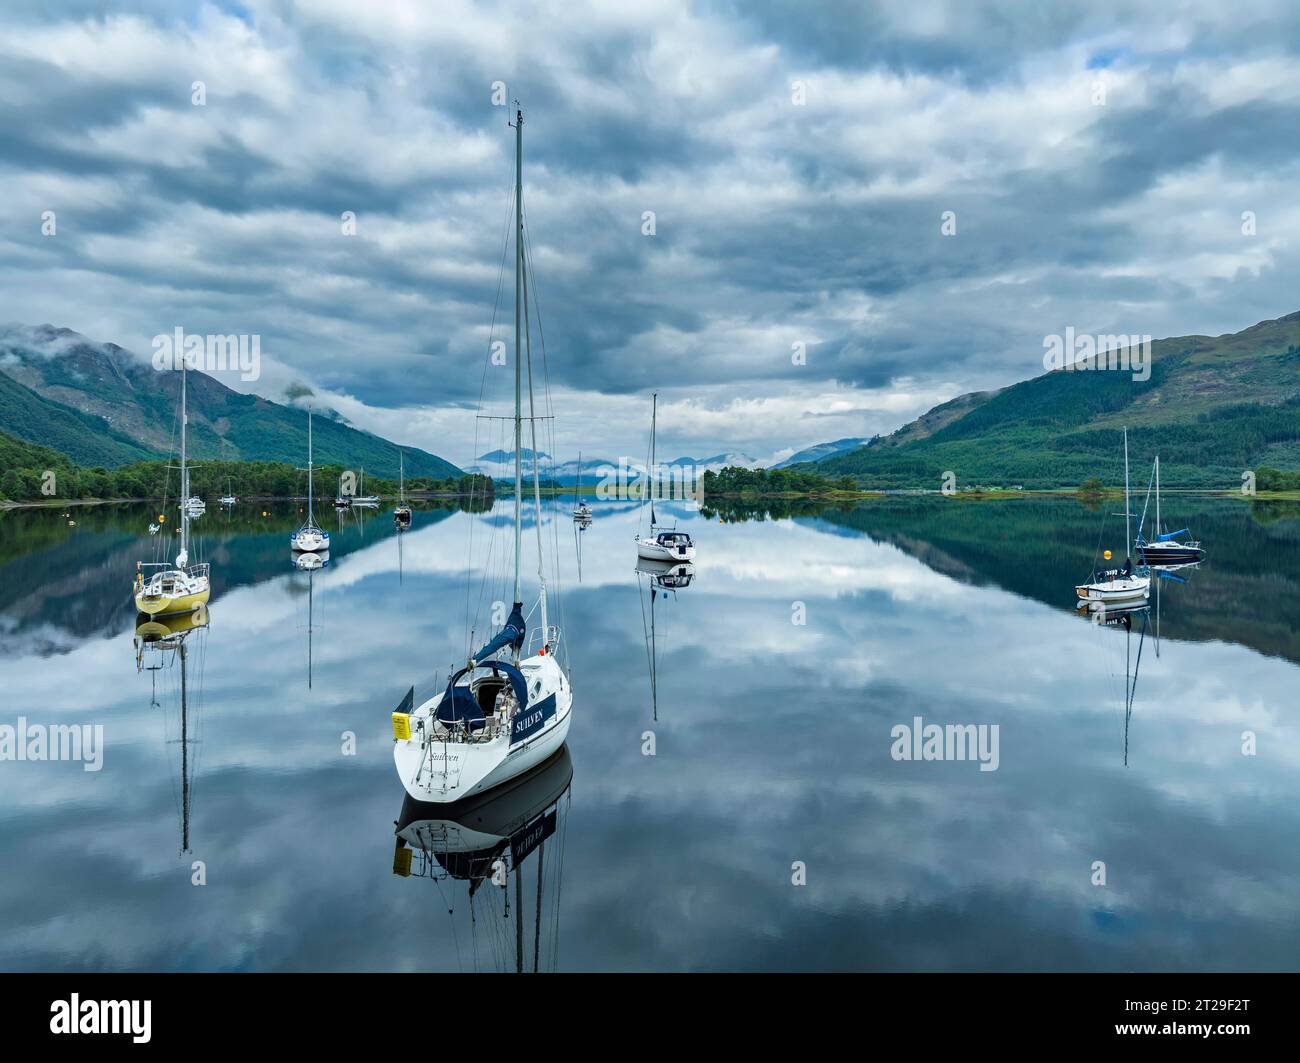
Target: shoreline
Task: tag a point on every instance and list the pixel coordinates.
(818, 496)
(56, 503)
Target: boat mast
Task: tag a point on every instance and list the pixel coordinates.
(310, 518)
(650, 472)
(532, 426)
(654, 655)
(184, 556)
(185, 756)
(311, 614)
(519, 268)
(1157, 496)
(1128, 535)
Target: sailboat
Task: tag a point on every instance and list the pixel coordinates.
(661, 544)
(402, 514)
(171, 589)
(498, 715)
(310, 538)
(582, 511)
(228, 499)
(1166, 549)
(360, 499)
(1117, 585)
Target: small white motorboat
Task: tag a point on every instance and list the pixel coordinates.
(672, 546)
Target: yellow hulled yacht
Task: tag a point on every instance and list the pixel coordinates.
(164, 588)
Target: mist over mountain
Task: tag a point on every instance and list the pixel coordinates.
(101, 405)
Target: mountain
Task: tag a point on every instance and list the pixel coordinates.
(718, 461)
(19, 454)
(1213, 408)
(500, 465)
(501, 457)
(85, 438)
(101, 405)
(820, 451)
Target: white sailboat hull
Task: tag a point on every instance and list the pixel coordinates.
(653, 551)
(440, 772)
(1115, 590)
(310, 541)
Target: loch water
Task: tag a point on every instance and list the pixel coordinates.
(740, 805)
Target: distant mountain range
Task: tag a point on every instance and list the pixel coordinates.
(500, 465)
(102, 406)
(821, 451)
(1213, 409)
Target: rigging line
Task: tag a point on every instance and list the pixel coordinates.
(531, 280)
(1146, 502)
(1131, 690)
(537, 462)
(496, 304)
(450, 906)
(559, 876)
(1096, 553)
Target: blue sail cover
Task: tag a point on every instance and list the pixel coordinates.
(460, 705)
(1171, 535)
(464, 695)
(511, 635)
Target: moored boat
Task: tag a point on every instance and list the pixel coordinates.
(660, 544)
(1122, 584)
(1167, 548)
(167, 588)
(310, 538)
(509, 708)
(402, 513)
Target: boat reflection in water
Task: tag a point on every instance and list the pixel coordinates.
(1134, 616)
(311, 563)
(661, 579)
(163, 648)
(1129, 617)
(485, 841)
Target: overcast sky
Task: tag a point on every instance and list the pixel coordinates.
(798, 159)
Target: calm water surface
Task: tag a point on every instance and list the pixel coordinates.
(772, 748)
